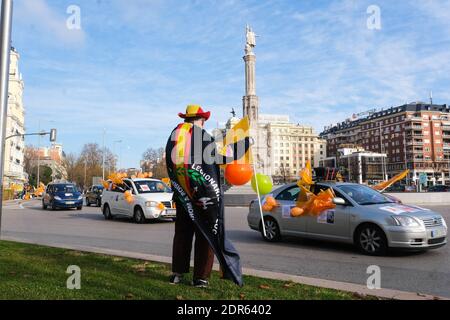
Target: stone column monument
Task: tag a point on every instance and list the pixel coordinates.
(250, 100)
(251, 106)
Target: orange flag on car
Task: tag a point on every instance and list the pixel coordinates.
(386, 184)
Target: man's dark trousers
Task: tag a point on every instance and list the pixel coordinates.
(182, 247)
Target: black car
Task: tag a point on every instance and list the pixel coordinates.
(439, 188)
(395, 188)
(94, 195)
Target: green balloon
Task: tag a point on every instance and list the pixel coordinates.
(264, 184)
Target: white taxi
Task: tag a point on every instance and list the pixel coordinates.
(150, 199)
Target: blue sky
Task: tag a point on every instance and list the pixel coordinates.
(136, 63)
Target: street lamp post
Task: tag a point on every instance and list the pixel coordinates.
(381, 151)
(41, 133)
(405, 156)
(104, 155)
(85, 172)
(39, 156)
(5, 47)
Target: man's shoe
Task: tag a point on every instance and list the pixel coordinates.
(175, 279)
(199, 283)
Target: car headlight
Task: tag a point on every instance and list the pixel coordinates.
(57, 198)
(406, 221)
(80, 198)
(151, 204)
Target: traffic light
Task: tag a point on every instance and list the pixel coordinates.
(53, 135)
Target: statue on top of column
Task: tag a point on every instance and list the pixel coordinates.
(251, 40)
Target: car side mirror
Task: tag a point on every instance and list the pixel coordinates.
(339, 201)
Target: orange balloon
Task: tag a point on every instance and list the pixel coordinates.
(267, 207)
(296, 212)
(238, 174)
(271, 201)
(161, 206)
(128, 197)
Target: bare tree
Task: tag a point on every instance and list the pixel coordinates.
(154, 161)
(69, 163)
(88, 164)
(30, 154)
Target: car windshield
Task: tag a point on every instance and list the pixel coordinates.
(144, 186)
(69, 188)
(364, 195)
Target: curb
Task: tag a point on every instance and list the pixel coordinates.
(357, 289)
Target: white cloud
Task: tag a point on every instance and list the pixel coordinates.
(50, 23)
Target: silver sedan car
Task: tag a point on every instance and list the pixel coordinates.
(362, 216)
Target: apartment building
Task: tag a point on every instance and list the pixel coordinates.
(414, 136)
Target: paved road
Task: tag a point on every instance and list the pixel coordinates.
(427, 272)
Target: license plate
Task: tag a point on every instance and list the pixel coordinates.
(170, 212)
(70, 202)
(437, 233)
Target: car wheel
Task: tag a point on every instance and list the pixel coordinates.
(139, 216)
(272, 230)
(53, 206)
(107, 212)
(44, 206)
(371, 240)
(80, 208)
(88, 204)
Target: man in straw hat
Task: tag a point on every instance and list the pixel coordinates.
(193, 167)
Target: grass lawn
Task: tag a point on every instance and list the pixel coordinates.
(38, 272)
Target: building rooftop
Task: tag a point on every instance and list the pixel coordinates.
(413, 107)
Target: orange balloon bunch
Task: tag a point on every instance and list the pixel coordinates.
(161, 206)
(144, 175)
(128, 196)
(105, 184)
(297, 212)
(307, 201)
(117, 178)
(270, 204)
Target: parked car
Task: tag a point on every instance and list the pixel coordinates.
(62, 195)
(439, 188)
(94, 195)
(152, 199)
(395, 188)
(400, 188)
(362, 216)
